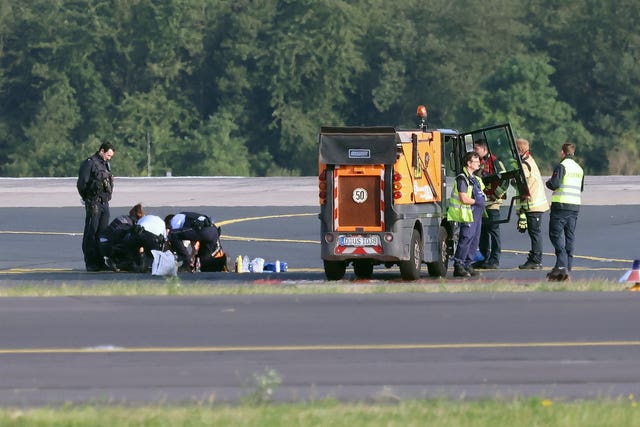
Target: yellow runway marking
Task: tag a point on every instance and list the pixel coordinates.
(36, 270)
(263, 239)
(257, 218)
(346, 347)
(592, 258)
(41, 233)
(220, 223)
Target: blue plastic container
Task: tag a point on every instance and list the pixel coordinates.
(271, 266)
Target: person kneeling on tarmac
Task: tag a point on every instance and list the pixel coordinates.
(204, 236)
(134, 252)
(111, 241)
(149, 234)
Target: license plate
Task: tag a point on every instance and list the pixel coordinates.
(366, 240)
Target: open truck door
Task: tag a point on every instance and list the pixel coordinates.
(383, 194)
(502, 144)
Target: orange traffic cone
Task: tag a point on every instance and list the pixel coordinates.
(632, 276)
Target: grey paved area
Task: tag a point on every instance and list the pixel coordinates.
(166, 191)
(550, 344)
(240, 191)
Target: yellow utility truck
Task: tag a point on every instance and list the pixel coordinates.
(384, 194)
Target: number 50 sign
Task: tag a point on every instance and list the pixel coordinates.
(360, 195)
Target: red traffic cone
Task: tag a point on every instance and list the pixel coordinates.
(632, 276)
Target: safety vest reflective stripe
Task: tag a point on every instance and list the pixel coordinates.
(570, 188)
(458, 211)
(532, 205)
(541, 200)
(538, 200)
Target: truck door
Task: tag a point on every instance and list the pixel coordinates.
(502, 144)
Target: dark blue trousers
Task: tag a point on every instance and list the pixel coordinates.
(468, 240)
(562, 227)
(490, 237)
(534, 228)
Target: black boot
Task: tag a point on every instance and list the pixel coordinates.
(558, 275)
(530, 265)
(471, 271)
(460, 271)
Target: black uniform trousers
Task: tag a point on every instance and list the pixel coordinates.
(490, 246)
(209, 243)
(96, 221)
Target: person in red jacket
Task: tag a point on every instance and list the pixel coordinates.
(490, 167)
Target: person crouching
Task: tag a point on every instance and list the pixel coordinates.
(204, 236)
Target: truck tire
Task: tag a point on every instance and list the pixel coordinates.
(410, 270)
(439, 268)
(334, 270)
(363, 268)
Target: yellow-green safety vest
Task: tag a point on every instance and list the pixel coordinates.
(570, 190)
(458, 211)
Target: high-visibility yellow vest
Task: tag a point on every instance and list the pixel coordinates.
(458, 211)
(570, 190)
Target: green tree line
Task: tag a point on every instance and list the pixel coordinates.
(241, 87)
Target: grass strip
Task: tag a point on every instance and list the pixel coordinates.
(174, 287)
(482, 413)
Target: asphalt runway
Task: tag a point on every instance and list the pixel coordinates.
(45, 244)
(352, 347)
(41, 222)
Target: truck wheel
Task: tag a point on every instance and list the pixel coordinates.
(363, 269)
(410, 270)
(334, 270)
(439, 268)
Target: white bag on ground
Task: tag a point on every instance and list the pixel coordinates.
(257, 265)
(164, 264)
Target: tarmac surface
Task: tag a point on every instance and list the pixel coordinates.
(384, 347)
(241, 191)
(350, 347)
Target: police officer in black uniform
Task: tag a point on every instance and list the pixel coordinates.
(149, 234)
(95, 186)
(205, 239)
(113, 244)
